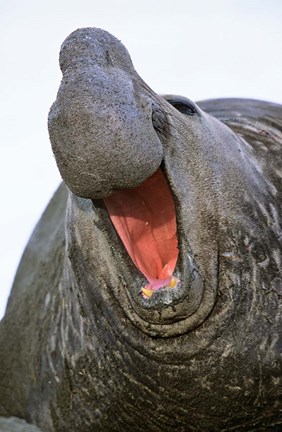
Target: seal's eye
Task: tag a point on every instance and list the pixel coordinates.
(185, 108)
(182, 104)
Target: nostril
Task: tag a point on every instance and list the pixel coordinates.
(159, 119)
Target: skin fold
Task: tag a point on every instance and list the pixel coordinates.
(83, 346)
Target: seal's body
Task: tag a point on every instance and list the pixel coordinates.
(148, 296)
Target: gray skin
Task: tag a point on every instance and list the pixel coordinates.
(81, 350)
(16, 425)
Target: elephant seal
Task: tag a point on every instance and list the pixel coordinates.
(148, 297)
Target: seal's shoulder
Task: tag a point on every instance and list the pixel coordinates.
(259, 124)
(232, 109)
(46, 239)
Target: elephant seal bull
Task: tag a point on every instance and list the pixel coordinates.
(148, 296)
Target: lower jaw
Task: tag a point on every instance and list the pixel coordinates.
(169, 311)
(161, 303)
(109, 276)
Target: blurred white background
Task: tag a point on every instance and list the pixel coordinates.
(201, 49)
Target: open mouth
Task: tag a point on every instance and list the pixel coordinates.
(148, 221)
(145, 220)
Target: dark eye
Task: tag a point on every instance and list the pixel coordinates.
(184, 108)
(182, 104)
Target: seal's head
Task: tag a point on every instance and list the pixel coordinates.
(173, 180)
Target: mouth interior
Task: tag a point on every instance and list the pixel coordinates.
(145, 220)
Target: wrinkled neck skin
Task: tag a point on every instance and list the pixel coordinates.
(103, 139)
(103, 328)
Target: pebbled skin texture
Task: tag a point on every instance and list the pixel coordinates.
(80, 350)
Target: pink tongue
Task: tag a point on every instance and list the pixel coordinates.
(144, 218)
